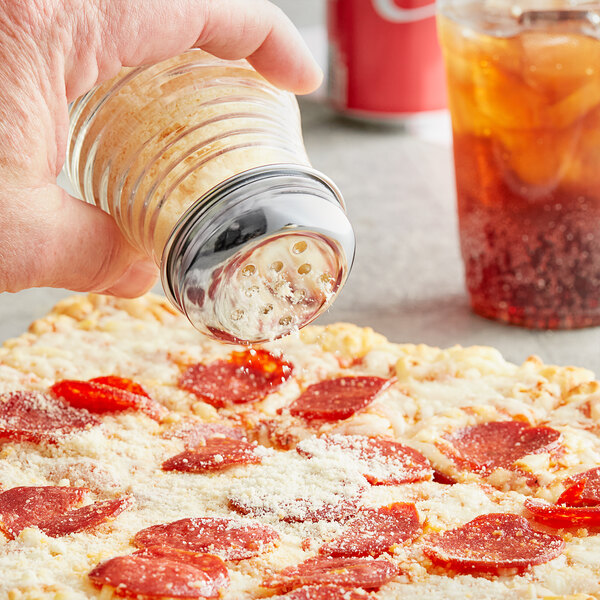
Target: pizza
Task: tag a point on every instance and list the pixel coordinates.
(139, 459)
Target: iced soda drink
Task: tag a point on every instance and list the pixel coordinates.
(524, 93)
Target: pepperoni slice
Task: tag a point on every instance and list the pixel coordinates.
(22, 507)
(195, 433)
(563, 516)
(247, 376)
(121, 383)
(51, 509)
(572, 496)
(488, 446)
(375, 531)
(384, 462)
(85, 518)
(99, 396)
(159, 572)
(442, 478)
(326, 592)
(336, 399)
(200, 560)
(298, 511)
(227, 538)
(365, 573)
(217, 454)
(35, 417)
(583, 489)
(491, 542)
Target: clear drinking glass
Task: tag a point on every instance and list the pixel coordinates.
(524, 94)
(201, 162)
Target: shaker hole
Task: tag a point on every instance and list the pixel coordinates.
(248, 270)
(285, 320)
(300, 296)
(267, 309)
(299, 247)
(252, 291)
(236, 315)
(277, 266)
(304, 269)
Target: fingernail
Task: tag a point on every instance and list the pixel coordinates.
(136, 280)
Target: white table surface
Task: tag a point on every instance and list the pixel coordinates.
(407, 280)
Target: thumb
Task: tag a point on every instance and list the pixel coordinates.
(50, 239)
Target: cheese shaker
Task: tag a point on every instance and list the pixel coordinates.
(201, 163)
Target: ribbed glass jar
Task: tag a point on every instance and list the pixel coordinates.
(157, 147)
(138, 149)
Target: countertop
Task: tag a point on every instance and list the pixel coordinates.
(407, 280)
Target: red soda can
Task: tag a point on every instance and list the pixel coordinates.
(385, 61)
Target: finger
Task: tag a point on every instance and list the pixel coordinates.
(261, 32)
(50, 239)
(135, 33)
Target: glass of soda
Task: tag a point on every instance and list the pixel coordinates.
(524, 94)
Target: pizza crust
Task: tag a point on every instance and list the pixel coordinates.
(435, 392)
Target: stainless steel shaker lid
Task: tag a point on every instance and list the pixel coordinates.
(260, 255)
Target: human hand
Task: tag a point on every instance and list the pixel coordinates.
(51, 52)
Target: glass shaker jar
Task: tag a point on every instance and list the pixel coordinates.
(201, 163)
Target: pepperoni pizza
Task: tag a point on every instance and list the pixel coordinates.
(139, 459)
